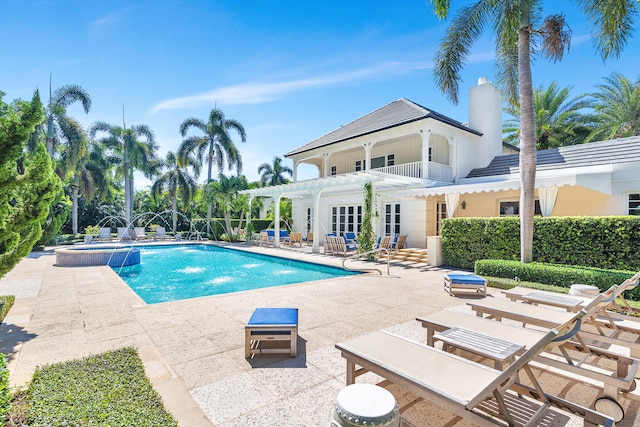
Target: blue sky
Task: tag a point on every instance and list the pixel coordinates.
(289, 71)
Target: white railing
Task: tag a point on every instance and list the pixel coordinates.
(440, 172)
(413, 169)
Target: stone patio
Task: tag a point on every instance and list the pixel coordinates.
(193, 350)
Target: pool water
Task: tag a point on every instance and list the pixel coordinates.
(168, 273)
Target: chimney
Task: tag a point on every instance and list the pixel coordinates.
(485, 115)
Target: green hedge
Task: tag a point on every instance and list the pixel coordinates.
(559, 275)
(5, 395)
(110, 389)
(603, 242)
(6, 301)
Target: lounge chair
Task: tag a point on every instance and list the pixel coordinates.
(338, 246)
(284, 236)
(295, 238)
(616, 372)
(309, 238)
(456, 384)
(104, 234)
(139, 234)
(399, 242)
(124, 234)
(265, 240)
(351, 238)
(383, 242)
(161, 234)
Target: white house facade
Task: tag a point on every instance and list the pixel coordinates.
(425, 167)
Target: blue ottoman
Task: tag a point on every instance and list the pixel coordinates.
(271, 325)
(465, 282)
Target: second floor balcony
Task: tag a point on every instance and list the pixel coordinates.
(436, 171)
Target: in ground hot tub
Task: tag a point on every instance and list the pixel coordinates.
(113, 256)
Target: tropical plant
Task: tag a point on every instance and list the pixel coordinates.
(273, 174)
(28, 193)
(177, 181)
(560, 120)
(521, 33)
(617, 108)
(366, 236)
(224, 193)
(129, 149)
(215, 145)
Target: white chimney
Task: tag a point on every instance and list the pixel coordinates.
(485, 115)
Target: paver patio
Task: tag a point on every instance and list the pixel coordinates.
(193, 350)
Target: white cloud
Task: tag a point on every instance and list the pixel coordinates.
(262, 92)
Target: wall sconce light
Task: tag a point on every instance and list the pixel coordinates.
(463, 204)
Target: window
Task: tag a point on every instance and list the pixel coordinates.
(513, 208)
(361, 165)
(392, 219)
(391, 159)
(346, 218)
(377, 162)
(309, 220)
(430, 154)
(334, 170)
(634, 204)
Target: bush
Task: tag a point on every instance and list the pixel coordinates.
(6, 301)
(110, 389)
(603, 242)
(5, 398)
(559, 275)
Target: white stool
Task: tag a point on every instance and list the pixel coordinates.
(584, 290)
(365, 405)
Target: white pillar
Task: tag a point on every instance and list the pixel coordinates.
(295, 171)
(425, 154)
(325, 165)
(367, 155)
(276, 221)
(315, 196)
(246, 227)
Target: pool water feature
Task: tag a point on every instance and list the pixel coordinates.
(168, 273)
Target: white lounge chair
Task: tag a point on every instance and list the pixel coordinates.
(161, 234)
(139, 234)
(124, 234)
(454, 383)
(104, 234)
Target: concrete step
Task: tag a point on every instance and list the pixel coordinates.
(410, 255)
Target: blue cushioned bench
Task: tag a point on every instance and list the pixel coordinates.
(465, 282)
(271, 325)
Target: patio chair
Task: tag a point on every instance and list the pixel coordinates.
(295, 238)
(383, 242)
(139, 234)
(104, 234)
(338, 246)
(284, 236)
(161, 234)
(309, 238)
(614, 371)
(399, 242)
(456, 384)
(266, 239)
(124, 234)
(351, 238)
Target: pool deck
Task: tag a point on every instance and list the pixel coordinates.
(193, 350)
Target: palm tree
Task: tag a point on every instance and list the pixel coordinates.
(513, 22)
(177, 181)
(215, 144)
(617, 107)
(60, 127)
(559, 119)
(224, 192)
(274, 174)
(128, 153)
(91, 177)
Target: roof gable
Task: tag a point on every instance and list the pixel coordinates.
(574, 156)
(396, 113)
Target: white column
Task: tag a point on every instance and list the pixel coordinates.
(295, 171)
(246, 227)
(276, 221)
(367, 155)
(425, 154)
(325, 165)
(315, 196)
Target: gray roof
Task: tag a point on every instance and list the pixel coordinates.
(396, 113)
(574, 156)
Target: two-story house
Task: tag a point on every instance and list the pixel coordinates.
(425, 167)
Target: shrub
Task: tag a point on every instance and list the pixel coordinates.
(559, 275)
(6, 301)
(110, 389)
(5, 398)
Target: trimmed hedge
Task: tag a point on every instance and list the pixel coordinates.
(604, 242)
(5, 396)
(558, 275)
(110, 389)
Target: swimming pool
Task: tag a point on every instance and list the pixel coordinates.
(168, 273)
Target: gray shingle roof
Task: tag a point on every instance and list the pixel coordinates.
(593, 154)
(396, 113)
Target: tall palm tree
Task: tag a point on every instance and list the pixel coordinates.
(128, 152)
(60, 127)
(274, 174)
(91, 177)
(214, 145)
(224, 192)
(177, 181)
(559, 119)
(515, 22)
(617, 108)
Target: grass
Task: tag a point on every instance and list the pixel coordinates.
(110, 389)
(6, 301)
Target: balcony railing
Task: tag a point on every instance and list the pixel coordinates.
(440, 172)
(437, 171)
